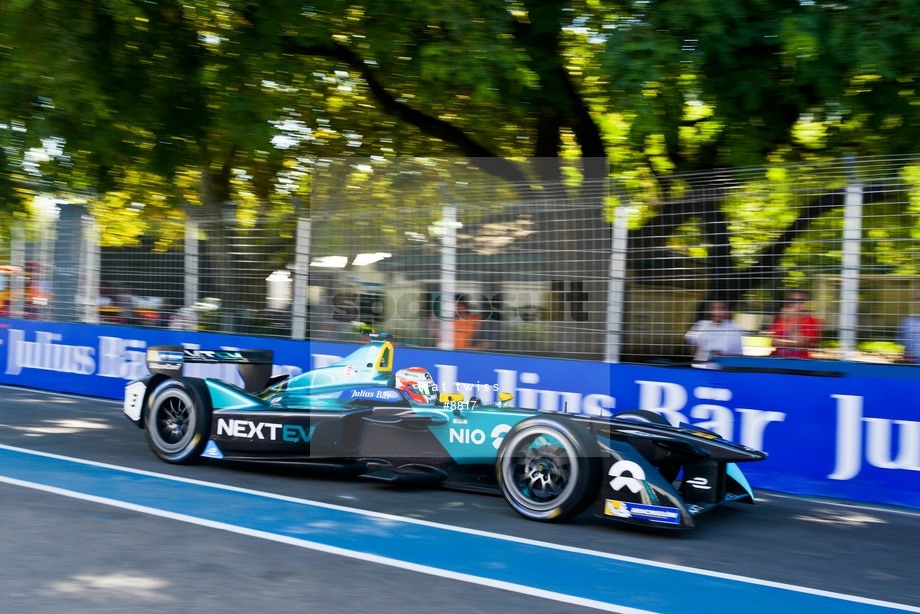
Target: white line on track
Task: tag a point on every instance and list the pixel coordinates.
(362, 556)
(427, 523)
(852, 505)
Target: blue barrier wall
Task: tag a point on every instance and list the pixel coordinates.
(839, 430)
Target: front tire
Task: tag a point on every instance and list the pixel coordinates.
(178, 421)
(549, 468)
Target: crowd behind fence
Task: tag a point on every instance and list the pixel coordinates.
(614, 271)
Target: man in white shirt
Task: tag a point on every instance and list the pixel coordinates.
(716, 336)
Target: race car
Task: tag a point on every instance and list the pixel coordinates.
(359, 415)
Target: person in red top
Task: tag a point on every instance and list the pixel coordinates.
(794, 330)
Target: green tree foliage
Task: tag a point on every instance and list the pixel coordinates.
(708, 85)
(732, 83)
(173, 103)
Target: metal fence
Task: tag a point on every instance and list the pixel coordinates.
(614, 271)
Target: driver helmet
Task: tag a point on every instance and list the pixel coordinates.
(417, 385)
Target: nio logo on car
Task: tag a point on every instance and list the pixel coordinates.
(498, 435)
(474, 436)
(699, 482)
(247, 429)
(630, 481)
(478, 436)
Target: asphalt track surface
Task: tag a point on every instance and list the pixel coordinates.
(93, 522)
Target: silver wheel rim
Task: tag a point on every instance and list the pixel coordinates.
(174, 421)
(540, 469)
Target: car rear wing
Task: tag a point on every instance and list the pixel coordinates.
(255, 366)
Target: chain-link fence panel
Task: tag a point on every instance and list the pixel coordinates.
(441, 253)
(449, 257)
(840, 234)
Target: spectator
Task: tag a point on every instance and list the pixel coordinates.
(717, 335)
(794, 330)
(909, 334)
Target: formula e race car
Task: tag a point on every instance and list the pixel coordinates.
(358, 415)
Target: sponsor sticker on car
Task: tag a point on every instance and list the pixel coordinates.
(653, 513)
(164, 356)
(371, 394)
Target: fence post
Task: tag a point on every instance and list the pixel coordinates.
(190, 261)
(301, 279)
(616, 288)
(47, 245)
(849, 286)
(17, 282)
(65, 274)
(448, 274)
(89, 274)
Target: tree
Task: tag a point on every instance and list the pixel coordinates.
(209, 103)
(199, 90)
(727, 84)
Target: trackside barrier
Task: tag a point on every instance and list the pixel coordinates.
(841, 430)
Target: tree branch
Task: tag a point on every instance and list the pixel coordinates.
(559, 96)
(480, 155)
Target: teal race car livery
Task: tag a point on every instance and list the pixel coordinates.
(359, 415)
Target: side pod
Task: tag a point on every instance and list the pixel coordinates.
(228, 396)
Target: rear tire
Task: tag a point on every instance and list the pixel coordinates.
(178, 421)
(549, 468)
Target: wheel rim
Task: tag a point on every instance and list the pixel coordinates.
(541, 469)
(173, 421)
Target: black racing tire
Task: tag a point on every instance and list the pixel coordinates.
(642, 415)
(548, 468)
(178, 421)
